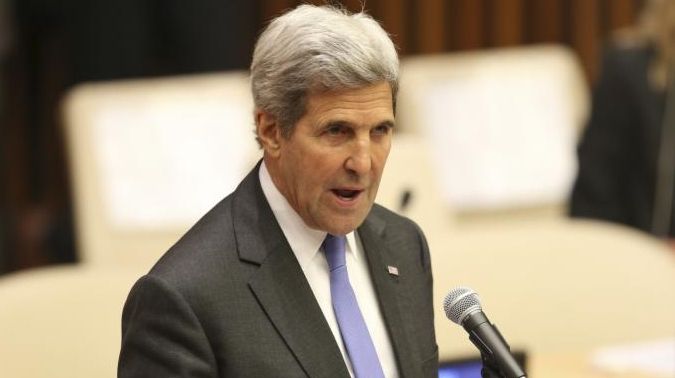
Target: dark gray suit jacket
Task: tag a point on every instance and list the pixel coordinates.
(230, 300)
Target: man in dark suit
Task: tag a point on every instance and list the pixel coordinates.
(297, 273)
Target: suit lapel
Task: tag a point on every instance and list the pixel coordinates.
(380, 256)
(285, 296)
(280, 286)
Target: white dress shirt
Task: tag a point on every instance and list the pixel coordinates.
(306, 244)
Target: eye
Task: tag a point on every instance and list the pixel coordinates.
(335, 129)
(382, 129)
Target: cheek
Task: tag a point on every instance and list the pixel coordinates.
(380, 159)
(311, 175)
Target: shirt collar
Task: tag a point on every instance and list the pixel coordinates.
(304, 241)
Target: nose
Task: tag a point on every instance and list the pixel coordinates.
(360, 157)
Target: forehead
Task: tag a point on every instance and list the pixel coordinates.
(372, 101)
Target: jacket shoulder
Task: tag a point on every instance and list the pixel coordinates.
(205, 247)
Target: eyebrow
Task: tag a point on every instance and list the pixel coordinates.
(388, 123)
(339, 122)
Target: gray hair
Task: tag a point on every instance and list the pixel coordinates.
(318, 48)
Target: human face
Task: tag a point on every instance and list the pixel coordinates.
(329, 168)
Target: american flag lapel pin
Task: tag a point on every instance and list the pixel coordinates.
(392, 270)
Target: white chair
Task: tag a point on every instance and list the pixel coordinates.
(501, 127)
(148, 157)
(502, 124)
(62, 322)
(558, 285)
(410, 187)
(552, 285)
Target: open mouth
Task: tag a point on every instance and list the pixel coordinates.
(347, 194)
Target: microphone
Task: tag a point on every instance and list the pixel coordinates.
(462, 306)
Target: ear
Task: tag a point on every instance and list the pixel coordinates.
(269, 132)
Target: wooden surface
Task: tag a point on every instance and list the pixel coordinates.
(573, 366)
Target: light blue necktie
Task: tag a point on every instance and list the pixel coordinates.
(355, 336)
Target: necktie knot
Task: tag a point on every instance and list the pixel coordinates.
(334, 248)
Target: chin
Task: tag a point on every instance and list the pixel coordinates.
(344, 227)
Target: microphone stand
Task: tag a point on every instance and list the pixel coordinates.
(489, 369)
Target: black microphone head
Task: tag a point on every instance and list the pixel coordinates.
(459, 303)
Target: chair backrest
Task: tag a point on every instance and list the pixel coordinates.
(502, 123)
(149, 156)
(62, 322)
(410, 186)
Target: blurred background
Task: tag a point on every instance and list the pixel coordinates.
(47, 47)
(114, 116)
